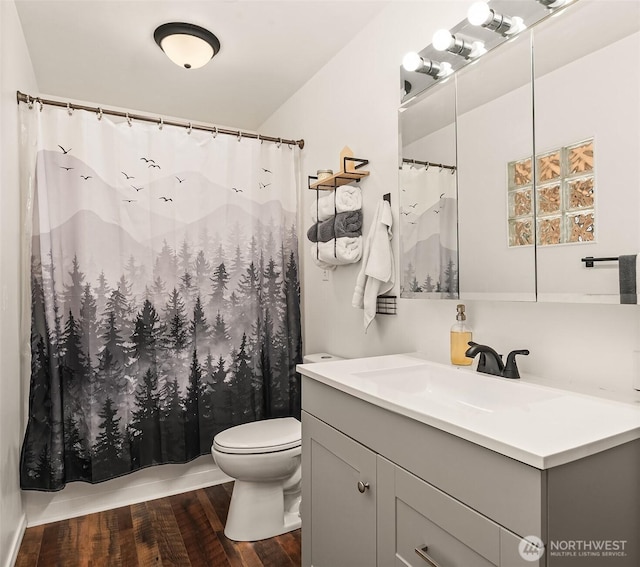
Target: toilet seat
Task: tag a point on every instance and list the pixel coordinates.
(258, 437)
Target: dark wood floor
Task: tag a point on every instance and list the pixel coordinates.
(182, 531)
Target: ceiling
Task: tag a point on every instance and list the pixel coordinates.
(103, 52)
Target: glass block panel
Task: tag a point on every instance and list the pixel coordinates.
(520, 173)
(520, 203)
(581, 193)
(580, 158)
(549, 166)
(549, 199)
(581, 227)
(521, 232)
(549, 230)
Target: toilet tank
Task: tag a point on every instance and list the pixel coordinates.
(320, 357)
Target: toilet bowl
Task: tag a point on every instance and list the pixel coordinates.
(264, 459)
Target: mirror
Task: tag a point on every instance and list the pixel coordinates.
(587, 125)
(526, 223)
(427, 196)
(494, 129)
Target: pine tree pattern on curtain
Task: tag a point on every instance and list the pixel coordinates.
(165, 295)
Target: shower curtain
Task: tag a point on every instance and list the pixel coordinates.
(164, 292)
(429, 235)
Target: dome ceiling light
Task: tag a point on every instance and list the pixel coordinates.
(187, 45)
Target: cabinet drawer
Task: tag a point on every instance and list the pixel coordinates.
(454, 534)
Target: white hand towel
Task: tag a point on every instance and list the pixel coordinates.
(317, 261)
(346, 198)
(377, 274)
(338, 251)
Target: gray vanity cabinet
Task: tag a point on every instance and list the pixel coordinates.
(362, 510)
(377, 486)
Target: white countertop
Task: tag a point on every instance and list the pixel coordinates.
(538, 425)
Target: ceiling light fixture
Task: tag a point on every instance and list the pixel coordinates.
(444, 40)
(412, 62)
(480, 14)
(187, 45)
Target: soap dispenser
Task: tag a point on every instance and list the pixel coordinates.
(460, 337)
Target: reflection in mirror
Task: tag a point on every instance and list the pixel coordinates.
(495, 175)
(427, 197)
(587, 121)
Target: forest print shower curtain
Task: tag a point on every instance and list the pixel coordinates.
(164, 293)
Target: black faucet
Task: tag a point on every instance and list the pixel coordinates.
(490, 362)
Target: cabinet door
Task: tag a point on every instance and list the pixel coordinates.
(338, 498)
(421, 526)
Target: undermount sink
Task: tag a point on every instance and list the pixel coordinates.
(456, 387)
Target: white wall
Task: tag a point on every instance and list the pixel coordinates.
(353, 100)
(16, 73)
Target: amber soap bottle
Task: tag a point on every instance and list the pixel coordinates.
(460, 337)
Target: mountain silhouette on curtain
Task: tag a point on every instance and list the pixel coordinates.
(144, 348)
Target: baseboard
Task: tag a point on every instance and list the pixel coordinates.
(17, 540)
(78, 499)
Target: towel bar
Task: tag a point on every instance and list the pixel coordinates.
(589, 260)
(386, 305)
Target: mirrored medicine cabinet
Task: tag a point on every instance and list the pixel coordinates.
(521, 165)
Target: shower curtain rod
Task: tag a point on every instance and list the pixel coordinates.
(429, 164)
(30, 100)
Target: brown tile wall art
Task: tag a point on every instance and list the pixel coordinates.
(564, 188)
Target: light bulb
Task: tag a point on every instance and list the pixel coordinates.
(552, 3)
(442, 40)
(517, 25)
(412, 61)
(445, 70)
(477, 49)
(479, 13)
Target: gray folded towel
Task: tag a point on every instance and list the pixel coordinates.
(347, 224)
(627, 275)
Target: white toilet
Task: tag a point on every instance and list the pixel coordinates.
(264, 459)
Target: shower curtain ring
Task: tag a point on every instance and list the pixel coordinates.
(239, 136)
(161, 123)
(214, 132)
(29, 102)
(129, 120)
(41, 105)
(69, 109)
(279, 142)
(99, 113)
(189, 128)
(258, 138)
(453, 170)
(441, 166)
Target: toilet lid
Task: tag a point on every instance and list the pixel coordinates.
(266, 436)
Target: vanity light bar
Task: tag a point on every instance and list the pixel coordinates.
(479, 14)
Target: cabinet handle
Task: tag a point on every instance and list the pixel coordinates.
(422, 552)
(363, 486)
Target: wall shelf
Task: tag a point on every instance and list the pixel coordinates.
(349, 172)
